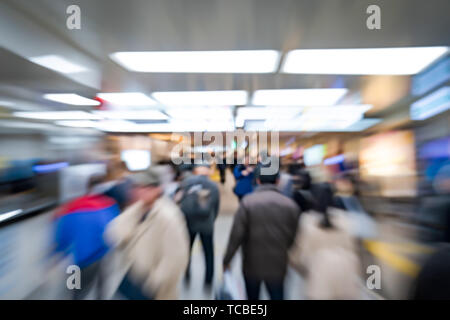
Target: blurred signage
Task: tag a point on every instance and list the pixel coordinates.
(439, 148)
(432, 77)
(314, 155)
(388, 154)
(431, 105)
(334, 160)
(388, 161)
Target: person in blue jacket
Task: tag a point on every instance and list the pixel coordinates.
(79, 228)
(244, 174)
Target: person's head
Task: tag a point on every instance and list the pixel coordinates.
(264, 178)
(301, 179)
(146, 186)
(202, 170)
(115, 169)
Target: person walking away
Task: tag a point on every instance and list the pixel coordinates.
(80, 225)
(264, 226)
(222, 166)
(301, 190)
(325, 252)
(152, 240)
(199, 200)
(244, 174)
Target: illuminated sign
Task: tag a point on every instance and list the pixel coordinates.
(314, 155)
(431, 78)
(431, 105)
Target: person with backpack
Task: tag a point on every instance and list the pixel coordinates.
(301, 191)
(198, 198)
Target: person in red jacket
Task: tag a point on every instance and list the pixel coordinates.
(79, 228)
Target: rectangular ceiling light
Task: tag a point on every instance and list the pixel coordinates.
(382, 61)
(192, 113)
(132, 115)
(172, 126)
(298, 97)
(321, 118)
(57, 115)
(77, 123)
(72, 99)
(202, 98)
(319, 125)
(58, 64)
(337, 112)
(264, 113)
(127, 99)
(256, 113)
(239, 61)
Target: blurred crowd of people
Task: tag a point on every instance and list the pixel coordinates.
(150, 219)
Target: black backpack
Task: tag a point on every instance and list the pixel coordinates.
(196, 202)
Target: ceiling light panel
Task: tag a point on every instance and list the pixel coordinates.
(367, 61)
(77, 123)
(58, 64)
(127, 99)
(72, 99)
(57, 115)
(132, 115)
(202, 98)
(298, 97)
(239, 61)
(192, 113)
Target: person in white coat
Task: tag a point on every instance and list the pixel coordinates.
(152, 241)
(324, 252)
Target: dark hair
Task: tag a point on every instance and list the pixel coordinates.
(302, 179)
(267, 178)
(293, 168)
(324, 199)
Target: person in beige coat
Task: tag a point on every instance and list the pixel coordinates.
(152, 241)
(324, 253)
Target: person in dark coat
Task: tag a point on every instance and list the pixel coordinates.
(433, 281)
(265, 226)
